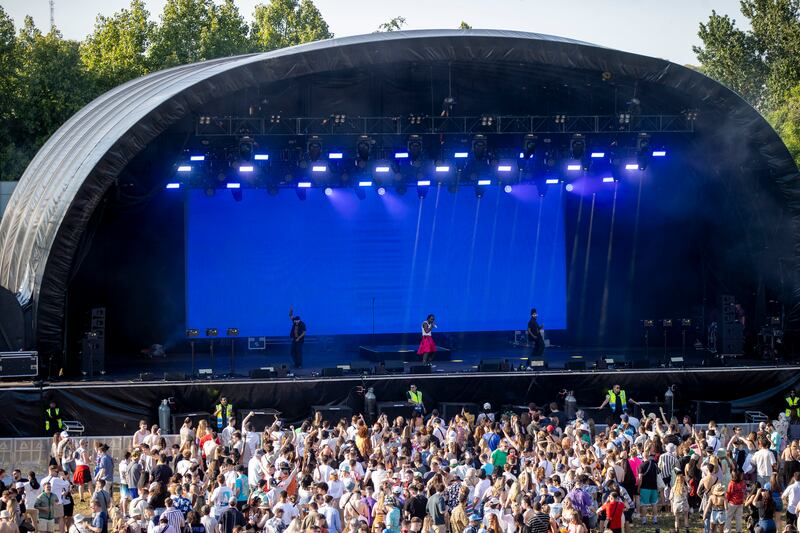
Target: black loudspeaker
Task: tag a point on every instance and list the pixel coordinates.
(538, 363)
(447, 410)
(575, 365)
(93, 357)
(332, 372)
(332, 413)
(731, 339)
(262, 373)
(174, 376)
(12, 323)
(360, 367)
(394, 409)
(178, 418)
(493, 365)
(716, 411)
(394, 367)
(419, 369)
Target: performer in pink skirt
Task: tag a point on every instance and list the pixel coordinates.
(427, 347)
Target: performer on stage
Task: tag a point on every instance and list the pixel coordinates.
(535, 335)
(427, 347)
(298, 336)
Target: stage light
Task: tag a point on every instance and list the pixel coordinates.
(479, 146)
(577, 146)
(304, 184)
(442, 168)
(197, 158)
(184, 168)
(245, 148)
(328, 191)
(551, 181)
(608, 179)
(423, 183)
(401, 155)
(643, 150)
(363, 147)
(659, 153)
(507, 188)
(484, 182)
(461, 155)
(261, 157)
(232, 332)
(570, 187)
(573, 166)
(632, 166)
(560, 119)
(335, 155)
(414, 147)
(246, 168)
(504, 168)
(381, 191)
(314, 148)
(233, 185)
(528, 146)
(319, 168)
(173, 185)
(192, 332)
(383, 169)
(479, 191)
(212, 332)
(487, 120)
(598, 155)
(365, 184)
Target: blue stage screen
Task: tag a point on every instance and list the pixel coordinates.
(380, 264)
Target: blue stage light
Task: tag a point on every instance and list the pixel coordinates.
(608, 179)
(233, 185)
(328, 191)
(184, 168)
(304, 184)
(246, 168)
(197, 158)
(660, 153)
(574, 166)
(423, 183)
(632, 166)
(570, 187)
(443, 168)
(381, 191)
(551, 181)
(319, 168)
(335, 155)
(173, 185)
(401, 155)
(383, 169)
(504, 168)
(365, 184)
(461, 155)
(507, 188)
(598, 155)
(484, 182)
(261, 157)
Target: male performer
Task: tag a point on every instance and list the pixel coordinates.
(535, 335)
(298, 336)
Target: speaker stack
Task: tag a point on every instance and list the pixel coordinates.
(731, 334)
(93, 344)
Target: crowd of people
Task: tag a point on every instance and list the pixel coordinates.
(535, 471)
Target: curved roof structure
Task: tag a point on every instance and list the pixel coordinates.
(61, 187)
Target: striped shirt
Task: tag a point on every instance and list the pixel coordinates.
(667, 464)
(174, 518)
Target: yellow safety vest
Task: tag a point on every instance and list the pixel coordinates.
(612, 400)
(55, 414)
(793, 404)
(416, 397)
(228, 414)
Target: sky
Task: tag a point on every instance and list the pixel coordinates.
(651, 27)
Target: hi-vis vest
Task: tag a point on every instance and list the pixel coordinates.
(228, 413)
(54, 415)
(792, 404)
(416, 397)
(612, 400)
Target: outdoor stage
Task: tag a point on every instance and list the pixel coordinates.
(115, 407)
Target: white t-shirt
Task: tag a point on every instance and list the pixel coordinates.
(763, 459)
(254, 472)
(31, 495)
(289, 512)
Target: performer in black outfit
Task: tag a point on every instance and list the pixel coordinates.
(298, 336)
(535, 335)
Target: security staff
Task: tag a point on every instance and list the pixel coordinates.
(792, 406)
(223, 411)
(617, 401)
(414, 398)
(52, 419)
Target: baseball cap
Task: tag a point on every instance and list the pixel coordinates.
(487, 406)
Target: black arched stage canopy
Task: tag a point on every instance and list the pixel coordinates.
(48, 215)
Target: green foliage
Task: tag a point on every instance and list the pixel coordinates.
(464, 26)
(177, 40)
(225, 34)
(282, 23)
(395, 24)
(116, 51)
(786, 121)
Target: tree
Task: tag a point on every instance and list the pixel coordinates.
(116, 50)
(786, 121)
(732, 57)
(12, 159)
(226, 32)
(395, 24)
(464, 26)
(282, 23)
(178, 39)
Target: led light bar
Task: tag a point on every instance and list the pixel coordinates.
(573, 167)
(319, 168)
(197, 158)
(551, 181)
(423, 183)
(504, 168)
(304, 184)
(660, 153)
(484, 182)
(598, 155)
(246, 168)
(443, 168)
(335, 155)
(184, 168)
(365, 184)
(173, 185)
(261, 157)
(233, 185)
(461, 155)
(401, 155)
(608, 179)
(382, 169)
(632, 166)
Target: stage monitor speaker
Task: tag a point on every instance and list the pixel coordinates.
(493, 365)
(394, 367)
(174, 376)
(394, 409)
(360, 367)
(575, 365)
(719, 412)
(332, 372)
(262, 373)
(332, 413)
(538, 363)
(447, 410)
(282, 370)
(419, 369)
